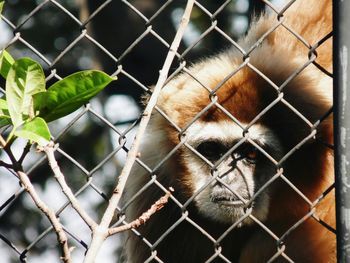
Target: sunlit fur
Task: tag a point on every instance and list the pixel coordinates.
(278, 206)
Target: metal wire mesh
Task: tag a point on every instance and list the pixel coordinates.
(92, 159)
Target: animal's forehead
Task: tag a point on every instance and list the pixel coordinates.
(226, 131)
(239, 96)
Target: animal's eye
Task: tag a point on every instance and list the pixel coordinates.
(249, 153)
(212, 150)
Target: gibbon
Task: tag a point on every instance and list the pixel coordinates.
(246, 146)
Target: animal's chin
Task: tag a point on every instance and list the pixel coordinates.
(226, 211)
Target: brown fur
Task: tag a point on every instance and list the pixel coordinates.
(244, 96)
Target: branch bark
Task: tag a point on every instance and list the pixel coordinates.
(144, 217)
(49, 150)
(101, 232)
(50, 214)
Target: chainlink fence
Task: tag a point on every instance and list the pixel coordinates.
(130, 40)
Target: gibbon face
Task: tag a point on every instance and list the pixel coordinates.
(235, 132)
(227, 169)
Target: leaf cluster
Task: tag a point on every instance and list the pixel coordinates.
(28, 105)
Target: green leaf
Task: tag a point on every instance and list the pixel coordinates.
(35, 130)
(70, 93)
(3, 105)
(6, 61)
(1, 6)
(25, 78)
(5, 118)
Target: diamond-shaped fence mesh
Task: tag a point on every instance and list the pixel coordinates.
(250, 164)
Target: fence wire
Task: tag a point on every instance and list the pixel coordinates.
(130, 40)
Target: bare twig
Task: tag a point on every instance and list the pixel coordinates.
(50, 214)
(144, 217)
(49, 150)
(25, 152)
(7, 148)
(2, 142)
(101, 232)
(6, 165)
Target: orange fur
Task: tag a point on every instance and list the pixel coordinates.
(244, 96)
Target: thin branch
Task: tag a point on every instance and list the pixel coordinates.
(49, 150)
(50, 214)
(6, 165)
(144, 217)
(7, 148)
(25, 152)
(2, 142)
(101, 232)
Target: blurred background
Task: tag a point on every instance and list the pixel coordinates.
(127, 39)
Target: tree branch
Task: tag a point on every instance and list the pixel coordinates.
(102, 231)
(50, 214)
(6, 165)
(49, 151)
(7, 148)
(25, 152)
(144, 217)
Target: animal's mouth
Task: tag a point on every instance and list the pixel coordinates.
(228, 200)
